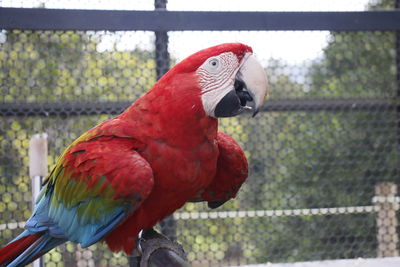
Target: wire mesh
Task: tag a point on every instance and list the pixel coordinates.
(313, 172)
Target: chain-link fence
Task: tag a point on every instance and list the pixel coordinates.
(324, 155)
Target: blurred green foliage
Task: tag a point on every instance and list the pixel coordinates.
(325, 158)
(60, 66)
(44, 66)
(297, 159)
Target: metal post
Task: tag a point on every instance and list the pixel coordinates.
(397, 6)
(168, 225)
(162, 54)
(37, 170)
(386, 204)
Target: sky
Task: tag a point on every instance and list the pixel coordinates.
(291, 47)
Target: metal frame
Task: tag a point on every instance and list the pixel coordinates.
(162, 20)
(277, 105)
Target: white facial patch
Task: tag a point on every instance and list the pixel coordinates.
(216, 79)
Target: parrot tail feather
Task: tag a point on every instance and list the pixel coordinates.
(27, 248)
(15, 248)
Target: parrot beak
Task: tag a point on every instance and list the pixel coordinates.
(251, 84)
(249, 89)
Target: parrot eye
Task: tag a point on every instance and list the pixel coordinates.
(213, 64)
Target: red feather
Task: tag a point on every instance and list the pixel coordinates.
(15, 248)
(232, 171)
(159, 153)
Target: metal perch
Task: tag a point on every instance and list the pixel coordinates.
(158, 251)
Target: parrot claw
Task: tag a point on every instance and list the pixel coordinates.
(154, 248)
(247, 108)
(139, 250)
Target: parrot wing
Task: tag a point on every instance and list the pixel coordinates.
(232, 171)
(96, 184)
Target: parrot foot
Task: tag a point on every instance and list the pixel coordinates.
(157, 250)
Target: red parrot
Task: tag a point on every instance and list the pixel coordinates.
(130, 172)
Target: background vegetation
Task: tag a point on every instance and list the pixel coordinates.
(298, 159)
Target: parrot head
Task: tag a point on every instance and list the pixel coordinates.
(230, 79)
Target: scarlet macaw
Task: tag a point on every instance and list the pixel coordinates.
(130, 172)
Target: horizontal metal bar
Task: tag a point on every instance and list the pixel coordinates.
(161, 20)
(272, 105)
(274, 213)
(331, 104)
(250, 214)
(62, 108)
(12, 225)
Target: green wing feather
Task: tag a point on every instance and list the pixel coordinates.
(97, 182)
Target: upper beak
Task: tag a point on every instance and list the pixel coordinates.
(252, 74)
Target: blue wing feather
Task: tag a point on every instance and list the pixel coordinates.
(62, 222)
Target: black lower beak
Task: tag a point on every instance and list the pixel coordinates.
(234, 102)
(228, 106)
